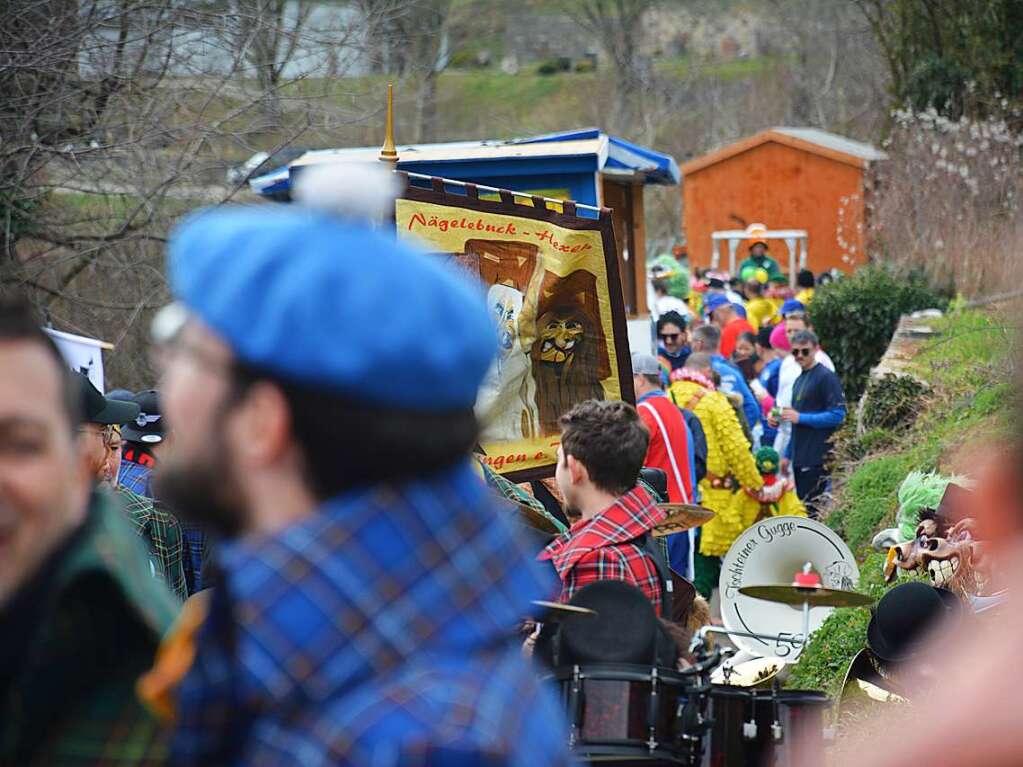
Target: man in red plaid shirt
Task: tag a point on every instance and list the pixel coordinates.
(603, 445)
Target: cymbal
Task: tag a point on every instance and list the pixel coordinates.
(558, 610)
(534, 519)
(681, 517)
(815, 596)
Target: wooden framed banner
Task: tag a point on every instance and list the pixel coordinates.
(553, 289)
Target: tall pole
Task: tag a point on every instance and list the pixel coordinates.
(388, 152)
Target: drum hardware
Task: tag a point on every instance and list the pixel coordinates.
(700, 639)
(806, 590)
(574, 707)
(651, 711)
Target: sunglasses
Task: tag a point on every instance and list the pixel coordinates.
(668, 336)
(802, 352)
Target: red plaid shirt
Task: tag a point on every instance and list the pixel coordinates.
(605, 548)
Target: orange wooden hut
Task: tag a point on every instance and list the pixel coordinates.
(785, 178)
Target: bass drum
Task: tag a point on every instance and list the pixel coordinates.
(626, 714)
(773, 551)
(765, 728)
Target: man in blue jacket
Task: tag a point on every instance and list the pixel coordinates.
(707, 338)
(818, 409)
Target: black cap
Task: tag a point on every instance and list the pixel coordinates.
(147, 426)
(99, 409)
(903, 617)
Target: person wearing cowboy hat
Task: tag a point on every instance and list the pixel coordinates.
(758, 258)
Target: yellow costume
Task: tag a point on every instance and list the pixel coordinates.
(777, 498)
(751, 510)
(759, 312)
(729, 461)
(805, 296)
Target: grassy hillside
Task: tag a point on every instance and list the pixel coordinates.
(967, 367)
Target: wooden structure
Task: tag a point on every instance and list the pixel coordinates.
(787, 178)
(587, 166)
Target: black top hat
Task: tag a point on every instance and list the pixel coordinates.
(99, 409)
(623, 631)
(147, 426)
(903, 617)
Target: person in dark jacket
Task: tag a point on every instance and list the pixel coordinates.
(80, 616)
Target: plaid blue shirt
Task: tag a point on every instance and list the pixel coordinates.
(377, 632)
(136, 477)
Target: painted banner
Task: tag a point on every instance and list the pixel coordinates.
(553, 289)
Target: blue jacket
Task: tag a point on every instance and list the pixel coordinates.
(379, 631)
(732, 381)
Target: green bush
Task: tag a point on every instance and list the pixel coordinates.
(851, 447)
(856, 316)
(892, 402)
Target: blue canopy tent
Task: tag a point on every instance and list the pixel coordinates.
(587, 165)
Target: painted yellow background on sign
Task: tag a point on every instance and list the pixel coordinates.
(445, 229)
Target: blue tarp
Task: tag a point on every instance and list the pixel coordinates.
(556, 170)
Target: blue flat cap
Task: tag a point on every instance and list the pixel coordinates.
(335, 305)
(792, 306)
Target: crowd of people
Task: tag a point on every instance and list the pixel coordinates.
(277, 556)
(740, 357)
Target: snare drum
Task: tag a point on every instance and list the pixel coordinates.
(626, 714)
(765, 728)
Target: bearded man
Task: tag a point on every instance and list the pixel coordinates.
(370, 583)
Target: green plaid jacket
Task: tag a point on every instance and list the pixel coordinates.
(512, 492)
(103, 615)
(162, 533)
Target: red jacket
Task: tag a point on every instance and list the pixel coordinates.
(669, 445)
(730, 334)
(604, 548)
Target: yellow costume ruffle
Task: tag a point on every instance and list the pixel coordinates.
(728, 455)
(748, 508)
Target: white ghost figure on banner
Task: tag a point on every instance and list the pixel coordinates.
(506, 405)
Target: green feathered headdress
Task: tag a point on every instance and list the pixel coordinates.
(919, 491)
(675, 277)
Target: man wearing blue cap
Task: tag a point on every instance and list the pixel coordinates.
(723, 313)
(369, 583)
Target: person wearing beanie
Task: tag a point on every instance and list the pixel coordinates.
(369, 584)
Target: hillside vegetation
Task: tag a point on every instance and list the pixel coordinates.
(967, 367)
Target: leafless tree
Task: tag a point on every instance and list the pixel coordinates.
(617, 26)
(413, 41)
(119, 116)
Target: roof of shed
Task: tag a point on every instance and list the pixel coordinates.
(813, 140)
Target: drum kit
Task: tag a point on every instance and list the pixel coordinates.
(725, 710)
